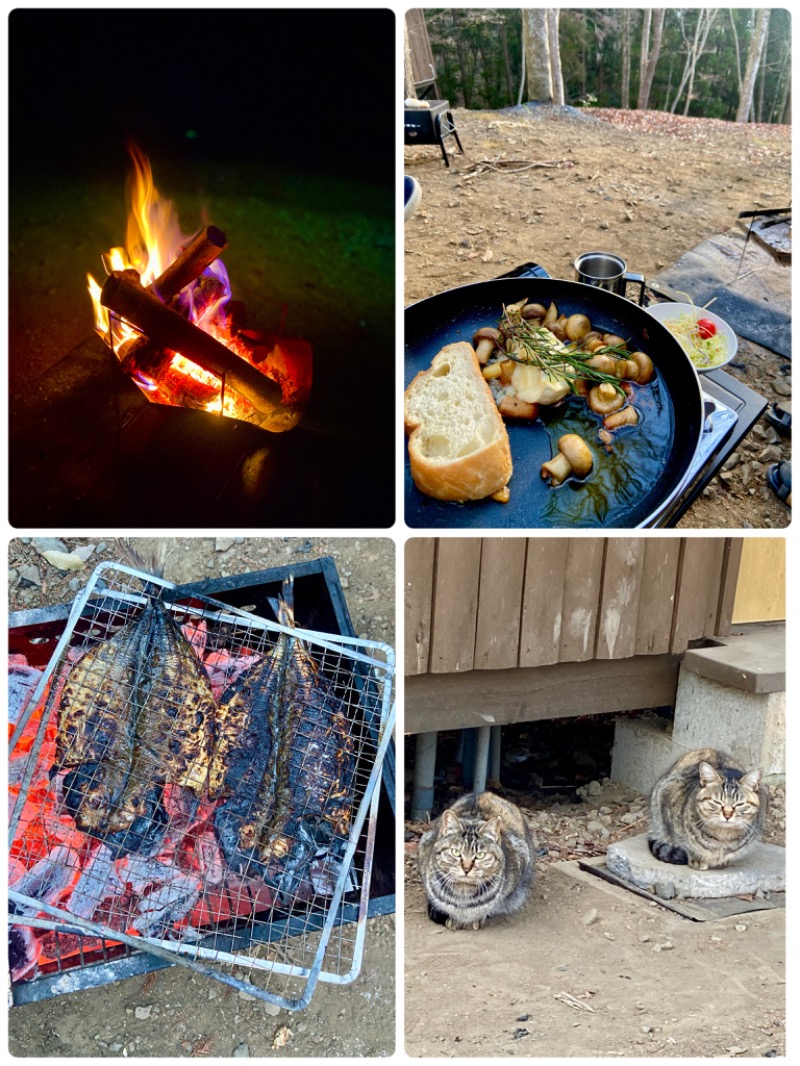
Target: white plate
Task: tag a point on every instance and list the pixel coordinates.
(667, 311)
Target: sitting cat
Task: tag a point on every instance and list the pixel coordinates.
(705, 811)
(476, 861)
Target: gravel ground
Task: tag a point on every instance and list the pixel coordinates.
(174, 1013)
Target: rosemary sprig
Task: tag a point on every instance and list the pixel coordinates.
(536, 348)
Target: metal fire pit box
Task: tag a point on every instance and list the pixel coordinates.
(431, 124)
(180, 897)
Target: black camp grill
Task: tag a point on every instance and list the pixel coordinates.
(178, 900)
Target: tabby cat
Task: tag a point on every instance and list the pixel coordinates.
(706, 811)
(476, 861)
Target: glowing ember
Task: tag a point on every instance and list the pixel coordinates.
(183, 274)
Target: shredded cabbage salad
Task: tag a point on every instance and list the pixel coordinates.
(704, 352)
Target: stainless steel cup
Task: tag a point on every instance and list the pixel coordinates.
(607, 271)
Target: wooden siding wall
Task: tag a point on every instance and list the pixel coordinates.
(502, 602)
(422, 64)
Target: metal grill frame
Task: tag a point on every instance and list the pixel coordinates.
(371, 663)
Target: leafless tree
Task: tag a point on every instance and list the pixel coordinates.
(542, 55)
(753, 62)
(650, 54)
(694, 49)
(625, 91)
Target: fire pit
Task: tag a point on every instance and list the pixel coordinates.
(89, 904)
(164, 311)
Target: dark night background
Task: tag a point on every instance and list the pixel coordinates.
(278, 126)
(264, 87)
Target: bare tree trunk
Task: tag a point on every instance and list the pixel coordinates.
(710, 15)
(507, 62)
(408, 74)
(625, 91)
(693, 51)
(555, 56)
(647, 66)
(753, 61)
(738, 50)
(535, 44)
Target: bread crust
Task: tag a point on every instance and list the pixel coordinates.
(468, 477)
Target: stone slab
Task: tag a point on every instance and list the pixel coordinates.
(752, 659)
(764, 869)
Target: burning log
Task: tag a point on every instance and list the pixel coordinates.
(139, 356)
(123, 294)
(199, 253)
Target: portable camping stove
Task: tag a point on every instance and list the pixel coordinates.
(78, 901)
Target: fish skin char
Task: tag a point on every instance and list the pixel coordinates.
(172, 737)
(249, 734)
(317, 768)
(96, 723)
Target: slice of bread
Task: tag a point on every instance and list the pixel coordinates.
(458, 444)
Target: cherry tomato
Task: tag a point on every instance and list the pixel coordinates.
(706, 327)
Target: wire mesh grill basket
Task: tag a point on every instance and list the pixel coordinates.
(197, 782)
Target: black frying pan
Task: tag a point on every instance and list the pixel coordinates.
(650, 463)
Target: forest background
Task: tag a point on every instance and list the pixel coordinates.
(725, 63)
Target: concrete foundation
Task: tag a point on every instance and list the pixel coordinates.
(730, 696)
(762, 869)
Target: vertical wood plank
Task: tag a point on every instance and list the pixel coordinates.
(499, 603)
(543, 601)
(698, 585)
(716, 566)
(730, 580)
(418, 597)
(455, 604)
(657, 601)
(619, 600)
(583, 576)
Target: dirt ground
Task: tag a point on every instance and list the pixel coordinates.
(175, 1013)
(588, 969)
(646, 185)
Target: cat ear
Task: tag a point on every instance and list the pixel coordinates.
(450, 823)
(492, 829)
(708, 775)
(751, 780)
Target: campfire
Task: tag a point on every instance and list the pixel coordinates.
(165, 311)
(175, 888)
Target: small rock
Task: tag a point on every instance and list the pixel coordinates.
(518, 1034)
(222, 544)
(524, 1018)
(84, 551)
(770, 454)
(731, 461)
(247, 996)
(48, 544)
(143, 1012)
(740, 928)
(243, 1050)
(590, 917)
(782, 387)
(30, 575)
(665, 890)
(629, 818)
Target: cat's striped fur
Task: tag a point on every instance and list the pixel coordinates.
(476, 861)
(705, 811)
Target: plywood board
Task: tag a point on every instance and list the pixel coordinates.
(761, 588)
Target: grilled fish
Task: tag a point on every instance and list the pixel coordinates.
(96, 723)
(172, 741)
(246, 758)
(316, 767)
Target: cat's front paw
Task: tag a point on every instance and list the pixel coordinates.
(696, 864)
